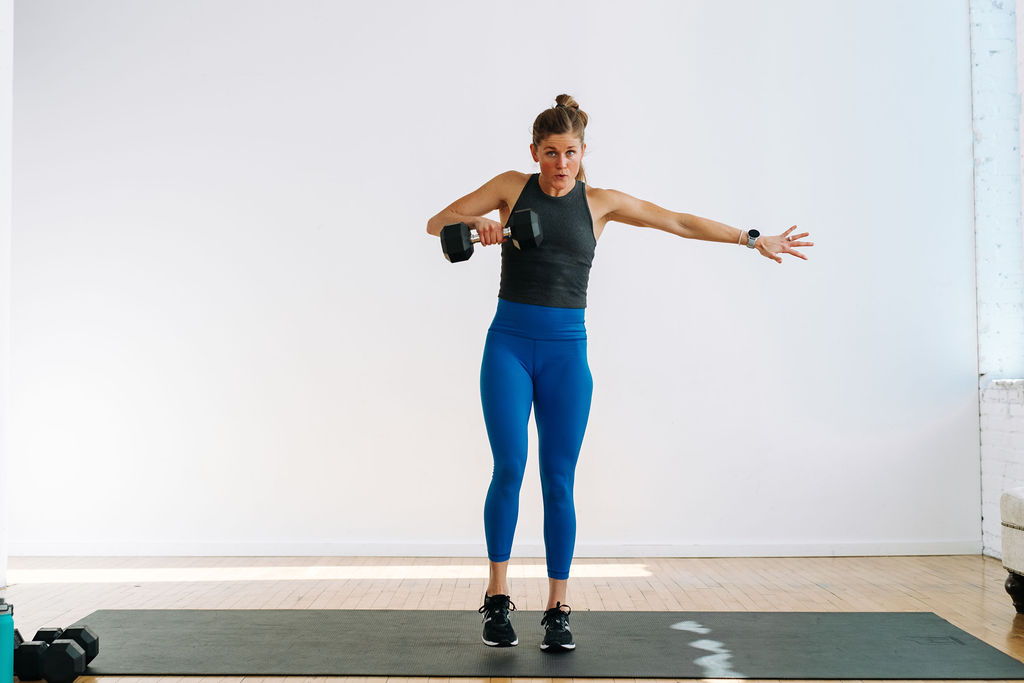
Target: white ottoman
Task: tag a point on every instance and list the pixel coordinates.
(1011, 510)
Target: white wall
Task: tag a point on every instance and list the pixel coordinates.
(232, 335)
(6, 74)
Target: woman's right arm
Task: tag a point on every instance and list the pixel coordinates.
(471, 209)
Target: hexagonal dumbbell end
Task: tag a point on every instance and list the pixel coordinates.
(48, 635)
(526, 232)
(456, 242)
(86, 637)
(28, 660)
(63, 661)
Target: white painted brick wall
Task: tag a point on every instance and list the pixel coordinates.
(997, 28)
(1002, 454)
(999, 238)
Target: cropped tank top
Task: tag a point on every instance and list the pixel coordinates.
(557, 272)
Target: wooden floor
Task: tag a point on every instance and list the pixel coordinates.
(966, 590)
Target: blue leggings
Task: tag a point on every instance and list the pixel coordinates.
(535, 356)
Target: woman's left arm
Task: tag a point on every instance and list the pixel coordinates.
(632, 211)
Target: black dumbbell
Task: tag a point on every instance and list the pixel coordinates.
(86, 637)
(28, 655)
(457, 239)
(69, 655)
(63, 661)
(59, 656)
(28, 658)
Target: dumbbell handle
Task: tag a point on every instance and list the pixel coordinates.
(474, 236)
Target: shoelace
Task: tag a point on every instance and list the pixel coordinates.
(556, 617)
(498, 611)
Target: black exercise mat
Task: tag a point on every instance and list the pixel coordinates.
(800, 645)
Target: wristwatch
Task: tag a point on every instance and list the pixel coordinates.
(752, 236)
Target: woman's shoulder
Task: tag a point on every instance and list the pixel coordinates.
(513, 177)
(598, 194)
(511, 185)
(509, 180)
(604, 200)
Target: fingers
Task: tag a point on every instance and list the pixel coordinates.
(794, 252)
(773, 255)
(491, 233)
(777, 255)
(775, 247)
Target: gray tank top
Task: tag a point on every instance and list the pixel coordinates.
(557, 272)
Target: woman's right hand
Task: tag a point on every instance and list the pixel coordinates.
(490, 232)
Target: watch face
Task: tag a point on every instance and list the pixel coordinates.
(754, 233)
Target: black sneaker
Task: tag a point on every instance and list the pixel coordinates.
(498, 631)
(557, 636)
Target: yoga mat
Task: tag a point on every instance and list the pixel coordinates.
(801, 645)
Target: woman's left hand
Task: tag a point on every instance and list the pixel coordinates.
(773, 246)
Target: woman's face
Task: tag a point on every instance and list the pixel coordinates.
(559, 157)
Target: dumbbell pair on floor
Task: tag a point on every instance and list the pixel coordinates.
(57, 655)
(457, 239)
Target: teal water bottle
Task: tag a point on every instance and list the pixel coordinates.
(6, 642)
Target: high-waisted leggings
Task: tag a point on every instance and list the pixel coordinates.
(535, 356)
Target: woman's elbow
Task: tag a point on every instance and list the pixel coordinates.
(685, 225)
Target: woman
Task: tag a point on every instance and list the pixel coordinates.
(535, 353)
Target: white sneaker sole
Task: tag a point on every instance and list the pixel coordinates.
(490, 644)
(556, 648)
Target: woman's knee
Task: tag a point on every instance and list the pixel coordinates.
(557, 489)
(509, 473)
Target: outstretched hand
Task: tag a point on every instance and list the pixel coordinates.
(773, 246)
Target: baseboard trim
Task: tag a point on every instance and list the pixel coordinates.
(525, 550)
